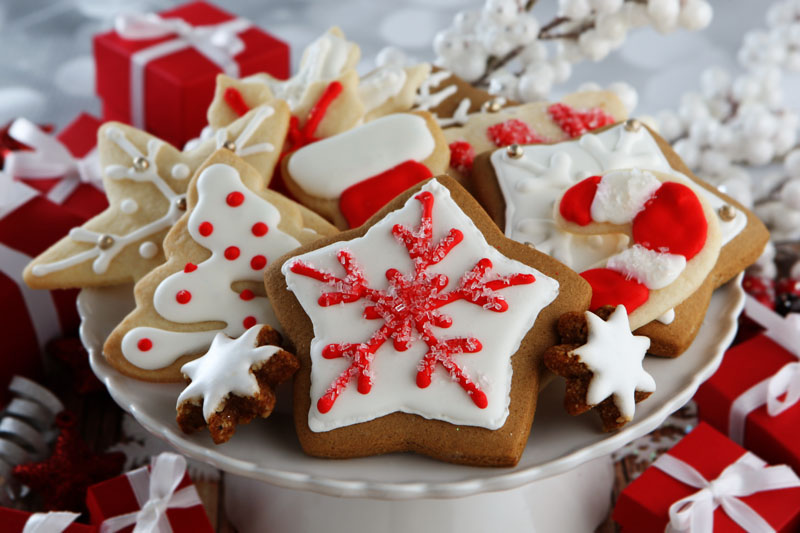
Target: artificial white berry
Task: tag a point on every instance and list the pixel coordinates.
(496, 40)
(448, 44)
(533, 52)
(715, 81)
(523, 29)
(602, 7)
(792, 163)
(593, 45)
(759, 151)
(503, 83)
(692, 108)
(714, 162)
(501, 11)
(562, 70)
(469, 66)
(695, 15)
(784, 140)
(574, 9)
(536, 82)
(626, 93)
(569, 51)
(745, 88)
(688, 151)
(669, 125)
(611, 26)
(664, 14)
(790, 194)
(635, 14)
(466, 21)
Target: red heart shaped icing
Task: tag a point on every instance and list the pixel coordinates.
(612, 288)
(672, 221)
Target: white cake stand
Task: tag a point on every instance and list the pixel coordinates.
(562, 483)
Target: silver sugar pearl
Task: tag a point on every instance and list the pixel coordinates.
(104, 242)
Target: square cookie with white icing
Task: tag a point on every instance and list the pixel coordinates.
(422, 330)
(519, 185)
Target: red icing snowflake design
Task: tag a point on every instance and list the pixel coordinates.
(575, 123)
(410, 304)
(513, 131)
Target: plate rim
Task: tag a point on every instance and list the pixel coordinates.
(504, 479)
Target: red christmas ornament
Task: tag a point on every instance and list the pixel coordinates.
(70, 351)
(62, 479)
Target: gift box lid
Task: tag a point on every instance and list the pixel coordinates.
(644, 504)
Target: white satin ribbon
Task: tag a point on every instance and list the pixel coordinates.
(785, 381)
(53, 522)
(155, 493)
(49, 158)
(748, 475)
(783, 330)
(219, 43)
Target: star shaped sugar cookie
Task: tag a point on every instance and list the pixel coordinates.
(212, 280)
(145, 180)
(602, 362)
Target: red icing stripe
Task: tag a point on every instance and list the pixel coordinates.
(612, 288)
(672, 221)
(362, 200)
(235, 101)
(299, 137)
(576, 204)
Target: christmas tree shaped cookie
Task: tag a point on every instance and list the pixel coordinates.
(421, 330)
(211, 282)
(146, 181)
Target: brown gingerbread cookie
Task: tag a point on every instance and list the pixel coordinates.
(234, 382)
(422, 330)
(519, 185)
(602, 362)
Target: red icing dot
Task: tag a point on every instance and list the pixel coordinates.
(462, 155)
(246, 295)
(672, 221)
(260, 229)
(206, 229)
(512, 131)
(249, 322)
(576, 204)
(231, 253)
(144, 344)
(190, 267)
(258, 262)
(235, 199)
(183, 297)
(612, 288)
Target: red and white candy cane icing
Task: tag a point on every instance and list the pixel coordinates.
(240, 228)
(383, 341)
(668, 228)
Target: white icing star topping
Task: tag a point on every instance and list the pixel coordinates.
(225, 369)
(615, 355)
(622, 154)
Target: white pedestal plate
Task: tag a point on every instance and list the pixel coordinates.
(562, 482)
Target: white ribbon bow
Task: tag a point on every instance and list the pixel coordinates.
(165, 475)
(748, 475)
(53, 522)
(49, 158)
(220, 43)
(785, 381)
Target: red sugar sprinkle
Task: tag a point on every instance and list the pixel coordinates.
(232, 252)
(206, 229)
(513, 131)
(260, 229)
(144, 344)
(183, 297)
(235, 199)
(249, 322)
(461, 156)
(258, 262)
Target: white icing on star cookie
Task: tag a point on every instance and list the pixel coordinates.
(615, 355)
(225, 369)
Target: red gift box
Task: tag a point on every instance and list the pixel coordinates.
(29, 224)
(64, 168)
(775, 438)
(14, 521)
(162, 76)
(644, 504)
(110, 501)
